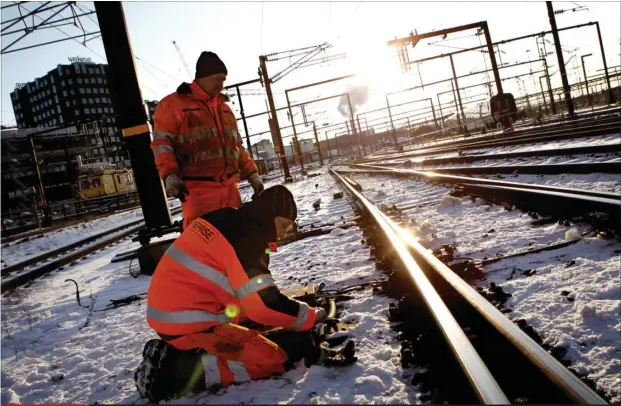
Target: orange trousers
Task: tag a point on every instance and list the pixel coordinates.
(206, 196)
(234, 354)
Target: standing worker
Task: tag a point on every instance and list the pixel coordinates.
(198, 150)
(214, 277)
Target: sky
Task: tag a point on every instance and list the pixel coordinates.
(240, 32)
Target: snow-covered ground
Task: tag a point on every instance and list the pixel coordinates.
(54, 351)
(14, 252)
(609, 139)
(589, 326)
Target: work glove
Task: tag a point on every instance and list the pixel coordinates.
(256, 183)
(175, 187)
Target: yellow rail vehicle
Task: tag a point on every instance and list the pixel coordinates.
(109, 182)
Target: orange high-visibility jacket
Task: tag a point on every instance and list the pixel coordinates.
(196, 136)
(216, 272)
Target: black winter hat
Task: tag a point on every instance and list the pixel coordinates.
(209, 64)
(274, 201)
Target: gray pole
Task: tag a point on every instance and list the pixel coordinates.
(601, 47)
(392, 125)
(461, 107)
(586, 81)
(561, 62)
(318, 146)
(551, 94)
(295, 136)
(543, 95)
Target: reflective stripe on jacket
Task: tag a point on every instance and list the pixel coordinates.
(197, 136)
(200, 283)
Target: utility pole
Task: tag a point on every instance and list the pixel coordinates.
(433, 112)
(353, 125)
(392, 125)
(601, 47)
(295, 134)
(279, 147)
(550, 93)
(43, 200)
(456, 108)
(328, 144)
(132, 117)
(241, 111)
(543, 95)
(586, 81)
(461, 107)
(561, 62)
(318, 146)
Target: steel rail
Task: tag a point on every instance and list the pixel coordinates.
(21, 279)
(596, 149)
(432, 176)
(536, 169)
(588, 120)
(552, 135)
(529, 133)
(483, 383)
(562, 377)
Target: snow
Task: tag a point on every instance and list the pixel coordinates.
(13, 253)
(609, 139)
(46, 335)
(589, 326)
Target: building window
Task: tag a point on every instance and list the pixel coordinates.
(82, 91)
(72, 91)
(105, 109)
(75, 102)
(58, 109)
(56, 99)
(97, 100)
(62, 83)
(67, 103)
(88, 90)
(64, 93)
(54, 88)
(95, 90)
(87, 111)
(90, 70)
(105, 82)
(77, 112)
(80, 81)
(90, 101)
(99, 110)
(67, 71)
(52, 79)
(83, 101)
(60, 119)
(70, 81)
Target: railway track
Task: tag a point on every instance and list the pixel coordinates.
(573, 130)
(470, 351)
(608, 149)
(23, 272)
(556, 201)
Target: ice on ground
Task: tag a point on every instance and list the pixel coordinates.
(54, 351)
(602, 182)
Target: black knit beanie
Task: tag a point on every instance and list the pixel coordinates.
(209, 64)
(274, 201)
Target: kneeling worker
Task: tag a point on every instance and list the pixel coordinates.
(213, 277)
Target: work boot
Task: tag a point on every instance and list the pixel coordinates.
(167, 372)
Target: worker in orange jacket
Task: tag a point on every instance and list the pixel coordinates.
(214, 277)
(198, 150)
